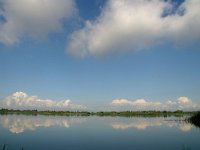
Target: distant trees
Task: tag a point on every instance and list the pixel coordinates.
(100, 113)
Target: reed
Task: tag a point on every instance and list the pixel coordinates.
(195, 119)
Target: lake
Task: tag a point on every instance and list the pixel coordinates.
(97, 133)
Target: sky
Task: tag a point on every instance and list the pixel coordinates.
(100, 55)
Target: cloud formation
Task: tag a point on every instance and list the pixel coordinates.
(125, 25)
(32, 18)
(182, 103)
(21, 100)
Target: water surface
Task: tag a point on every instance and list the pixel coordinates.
(97, 133)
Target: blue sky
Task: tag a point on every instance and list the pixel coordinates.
(156, 67)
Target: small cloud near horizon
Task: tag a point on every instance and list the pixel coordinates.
(21, 100)
(182, 103)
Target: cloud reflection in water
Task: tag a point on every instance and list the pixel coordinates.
(20, 123)
(144, 123)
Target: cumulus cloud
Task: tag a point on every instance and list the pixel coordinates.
(139, 103)
(135, 25)
(182, 103)
(32, 18)
(21, 100)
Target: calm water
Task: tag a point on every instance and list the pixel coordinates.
(97, 133)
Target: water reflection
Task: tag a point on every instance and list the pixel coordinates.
(20, 123)
(144, 123)
(185, 127)
(61, 132)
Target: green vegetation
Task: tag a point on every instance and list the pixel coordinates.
(48, 112)
(195, 119)
(144, 113)
(177, 113)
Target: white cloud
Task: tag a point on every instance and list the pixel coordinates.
(184, 100)
(21, 100)
(134, 25)
(183, 103)
(139, 103)
(32, 18)
(121, 102)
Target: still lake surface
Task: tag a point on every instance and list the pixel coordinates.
(97, 133)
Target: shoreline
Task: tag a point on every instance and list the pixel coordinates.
(150, 113)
